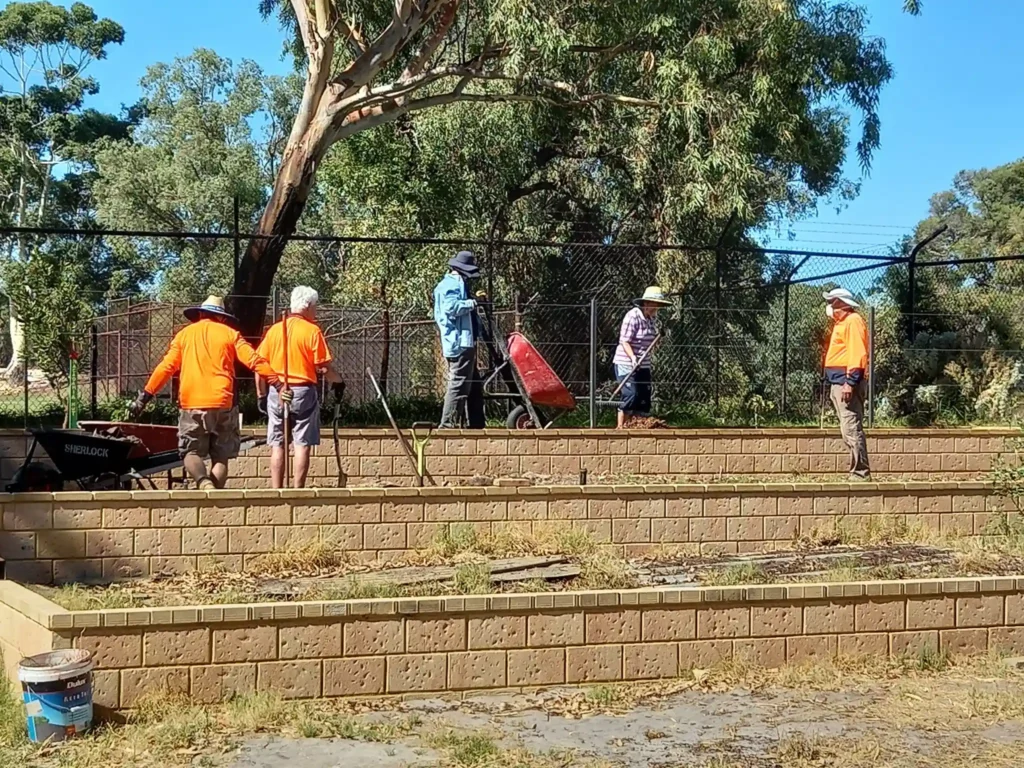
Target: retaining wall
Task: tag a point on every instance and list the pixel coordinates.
(77, 536)
(374, 457)
(415, 646)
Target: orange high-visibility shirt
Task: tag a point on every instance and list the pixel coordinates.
(846, 360)
(307, 350)
(204, 354)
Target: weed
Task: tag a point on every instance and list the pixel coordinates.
(465, 749)
(930, 659)
(740, 573)
(472, 578)
(355, 589)
(455, 540)
(314, 556)
(602, 695)
(79, 597)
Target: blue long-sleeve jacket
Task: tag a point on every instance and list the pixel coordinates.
(453, 313)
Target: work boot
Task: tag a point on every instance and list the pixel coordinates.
(206, 484)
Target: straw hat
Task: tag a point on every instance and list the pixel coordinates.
(213, 305)
(654, 295)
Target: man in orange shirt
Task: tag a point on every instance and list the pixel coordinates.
(846, 369)
(205, 353)
(308, 357)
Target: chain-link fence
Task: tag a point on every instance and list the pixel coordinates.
(742, 342)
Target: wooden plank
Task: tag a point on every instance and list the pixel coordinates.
(550, 573)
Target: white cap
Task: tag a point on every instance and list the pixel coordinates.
(841, 294)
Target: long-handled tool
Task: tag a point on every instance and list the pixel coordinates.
(286, 410)
(342, 477)
(420, 438)
(401, 438)
(636, 367)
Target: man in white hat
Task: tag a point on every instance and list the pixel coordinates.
(204, 355)
(846, 370)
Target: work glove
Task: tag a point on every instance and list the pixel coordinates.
(286, 396)
(338, 391)
(261, 404)
(482, 297)
(136, 408)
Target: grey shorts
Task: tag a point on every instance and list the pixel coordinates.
(305, 417)
(209, 433)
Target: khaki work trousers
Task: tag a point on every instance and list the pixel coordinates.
(851, 424)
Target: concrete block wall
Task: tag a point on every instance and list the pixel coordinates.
(79, 536)
(374, 456)
(415, 646)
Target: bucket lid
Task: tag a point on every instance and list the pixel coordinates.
(55, 665)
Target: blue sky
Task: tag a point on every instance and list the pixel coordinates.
(956, 102)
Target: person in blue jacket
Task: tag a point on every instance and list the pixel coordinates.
(455, 315)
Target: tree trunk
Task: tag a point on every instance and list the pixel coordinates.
(15, 371)
(280, 218)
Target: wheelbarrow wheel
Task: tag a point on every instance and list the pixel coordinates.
(519, 418)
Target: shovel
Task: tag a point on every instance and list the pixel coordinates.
(401, 438)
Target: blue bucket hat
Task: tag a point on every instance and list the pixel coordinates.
(464, 263)
(213, 305)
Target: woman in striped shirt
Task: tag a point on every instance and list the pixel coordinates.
(636, 336)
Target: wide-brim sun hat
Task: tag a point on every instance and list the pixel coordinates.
(841, 294)
(654, 295)
(213, 305)
(464, 262)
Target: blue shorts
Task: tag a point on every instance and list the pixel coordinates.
(636, 394)
(304, 412)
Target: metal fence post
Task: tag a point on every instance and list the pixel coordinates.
(593, 362)
(25, 361)
(94, 360)
(785, 350)
(871, 366)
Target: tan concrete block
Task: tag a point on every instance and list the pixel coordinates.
(745, 529)
(114, 543)
(964, 641)
(120, 568)
(631, 531)
(422, 535)
(291, 679)
(554, 629)
(221, 516)
(650, 661)
(979, 611)
(173, 564)
(435, 634)
(684, 507)
(796, 506)
(113, 651)
(173, 647)
(106, 689)
(593, 664)
(828, 618)
(476, 669)
(22, 546)
(645, 508)
(968, 502)
(295, 536)
(721, 506)
(1006, 640)
(707, 529)
(204, 541)
(174, 517)
(617, 626)
(348, 537)
(702, 654)
(872, 645)
(32, 516)
(880, 616)
(519, 509)
(1015, 609)
(700, 446)
(251, 540)
(401, 513)
(489, 510)
(49, 544)
(490, 632)
(913, 643)
(767, 464)
(444, 511)
(811, 648)
(781, 529)
(374, 638)
(668, 624)
(245, 643)
(158, 541)
(86, 516)
(363, 676)
(956, 524)
(723, 622)
(545, 666)
(606, 508)
(137, 684)
(670, 530)
(268, 514)
(357, 512)
(216, 683)
(776, 620)
(73, 571)
(712, 464)
(310, 641)
(931, 613)
(769, 652)
(654, 465)
(739, 463)
(384, 536)
(535, 465)
(419, 672)
(126, 517)
(759, 506)
(600, 530)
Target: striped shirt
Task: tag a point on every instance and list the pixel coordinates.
(639, 331)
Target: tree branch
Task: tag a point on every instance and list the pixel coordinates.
(319, 44)
(433, 41)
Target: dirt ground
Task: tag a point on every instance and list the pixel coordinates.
(741, 728)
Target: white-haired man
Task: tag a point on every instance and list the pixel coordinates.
(846, 370)
(308, 356)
